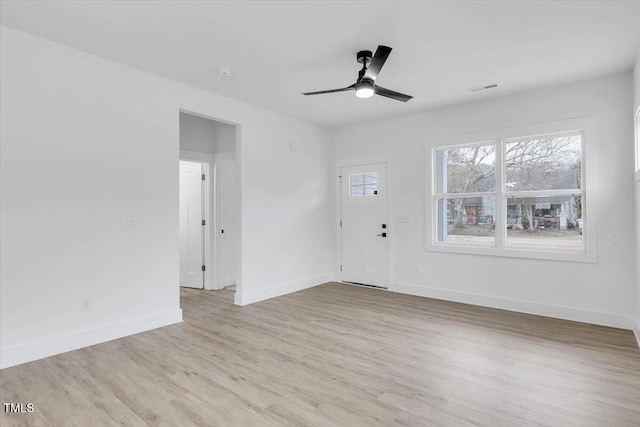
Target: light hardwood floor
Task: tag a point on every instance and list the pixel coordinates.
(339, 355)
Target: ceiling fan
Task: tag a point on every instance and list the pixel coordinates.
(365, 86)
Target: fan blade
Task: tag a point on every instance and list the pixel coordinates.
(320, 92)
(391, 94)
(379, 58)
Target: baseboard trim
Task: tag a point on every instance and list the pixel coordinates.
(228, 281)
(636, 331)
(250, 297)
(29, 352)
(520, 306)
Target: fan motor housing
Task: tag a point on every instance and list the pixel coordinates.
(364, 55)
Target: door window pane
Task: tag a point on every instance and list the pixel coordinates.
(363, 184)
(356, 190)
(371, 190)
(371, 178)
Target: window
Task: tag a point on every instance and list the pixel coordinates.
(521, 194)
(363, 184)
(543, 180)
(465, 194)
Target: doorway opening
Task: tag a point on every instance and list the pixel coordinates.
(209, 204)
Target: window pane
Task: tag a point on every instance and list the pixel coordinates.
(552, 163)
(371, 178)
(355, 179)
(545, 222)
(468, 221)
(466, 170)
(371, 190)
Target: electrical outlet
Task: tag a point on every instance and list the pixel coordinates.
(85, 304)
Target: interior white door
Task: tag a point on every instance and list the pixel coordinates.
(228, 210)
(191, 229)
(364, 224)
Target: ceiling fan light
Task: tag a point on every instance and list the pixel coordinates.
(364, 89)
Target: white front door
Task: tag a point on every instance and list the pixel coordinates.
(364, 224)
(191, 229)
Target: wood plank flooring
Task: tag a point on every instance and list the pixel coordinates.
(339, 355)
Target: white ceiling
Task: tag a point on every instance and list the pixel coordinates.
(279, 49)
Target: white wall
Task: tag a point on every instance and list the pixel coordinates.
(636, 83)
(206, 136)
(285, 210)
(602, 292)
(86, 142)
(636, 106)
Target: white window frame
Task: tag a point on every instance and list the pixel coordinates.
(585, 126)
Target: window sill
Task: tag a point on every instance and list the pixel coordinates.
(541, 254)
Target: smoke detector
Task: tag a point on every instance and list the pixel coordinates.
(224, 72)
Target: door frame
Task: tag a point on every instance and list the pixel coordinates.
(208, 248)
(363, 161)
(238, 160)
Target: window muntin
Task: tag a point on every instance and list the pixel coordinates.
(533, 200)
(363, 184)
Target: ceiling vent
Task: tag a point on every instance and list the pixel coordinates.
(478, 89)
